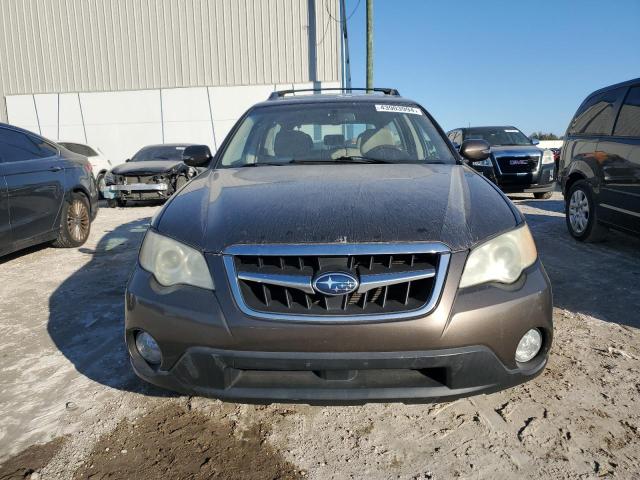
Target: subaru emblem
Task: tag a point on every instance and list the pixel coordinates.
(335, 283)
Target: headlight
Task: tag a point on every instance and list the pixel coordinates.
(173, 263)
(501, 259)
(482, 163)
(547, 157)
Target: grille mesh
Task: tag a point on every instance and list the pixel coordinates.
(523, 165)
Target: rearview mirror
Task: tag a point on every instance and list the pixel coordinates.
(127, 160)
(535, 141)
(475, 150)
(196, 155)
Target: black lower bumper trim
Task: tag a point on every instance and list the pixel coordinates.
(337, 377)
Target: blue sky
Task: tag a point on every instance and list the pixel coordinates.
(491, 62)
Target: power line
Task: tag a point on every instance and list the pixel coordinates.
(326, 7)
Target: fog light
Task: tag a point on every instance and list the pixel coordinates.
(529, 345)
(148, 348)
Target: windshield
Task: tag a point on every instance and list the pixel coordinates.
(159, 152)
(336, 132)
(497, 136)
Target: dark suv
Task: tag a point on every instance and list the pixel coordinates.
(338, 249)
(516, 165)
(600, 163)
(47, 193)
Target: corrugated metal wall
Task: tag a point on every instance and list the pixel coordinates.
(55, 46)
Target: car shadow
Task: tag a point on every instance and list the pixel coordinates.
(21, 253)
(86, 311)
(597, 279)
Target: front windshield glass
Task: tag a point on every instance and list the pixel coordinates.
(336, 132)
(497, 136)
(159, 152)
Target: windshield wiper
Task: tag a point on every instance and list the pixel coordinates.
(359, 159)
(260, 164)
(343, 159)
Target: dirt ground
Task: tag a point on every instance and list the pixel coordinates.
(70, 407)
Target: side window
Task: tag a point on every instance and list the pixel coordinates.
(17, 146)
(628, 124)
(80, 149)
(596, 116)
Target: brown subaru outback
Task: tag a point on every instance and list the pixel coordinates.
(339, 248)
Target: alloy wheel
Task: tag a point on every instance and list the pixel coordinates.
(78, 220)
(579, 211)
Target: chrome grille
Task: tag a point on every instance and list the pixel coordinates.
(519, 164)
(395, 280)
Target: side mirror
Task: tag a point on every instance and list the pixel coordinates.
(127, 160)
(475, 150)
(197, 156)
(535, 141)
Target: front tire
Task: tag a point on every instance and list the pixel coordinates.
(542, 195)
(75, 224)
(181, 181)
(116, 202)
(581, 215)
(100, 184)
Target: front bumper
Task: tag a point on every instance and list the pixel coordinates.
(466, 346)
(136, 191)
(540, 181)
(341, 377)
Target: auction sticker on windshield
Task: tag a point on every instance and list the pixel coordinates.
(398, 109)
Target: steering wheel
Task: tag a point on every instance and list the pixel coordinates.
(387, 152)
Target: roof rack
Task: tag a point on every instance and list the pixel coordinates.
(281, 93)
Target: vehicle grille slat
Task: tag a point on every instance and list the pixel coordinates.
(282, 284)
(408, 291)
(520, 164)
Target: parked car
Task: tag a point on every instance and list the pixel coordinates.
(47, 193)
(600, 163)
(100, 163)
(155, 172)
(516, 165)
(339, 249)
(556, 158)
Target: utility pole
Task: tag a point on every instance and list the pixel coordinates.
(369, 44)
(346, 63)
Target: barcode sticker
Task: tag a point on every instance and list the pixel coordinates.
(398, 109)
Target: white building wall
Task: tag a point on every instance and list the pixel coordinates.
(120, 74)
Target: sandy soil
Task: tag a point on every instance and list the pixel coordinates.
(71, 408)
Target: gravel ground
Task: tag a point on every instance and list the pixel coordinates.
(70, 406)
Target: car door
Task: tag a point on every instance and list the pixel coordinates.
(620, 192)
(34, 177)
(5, 224)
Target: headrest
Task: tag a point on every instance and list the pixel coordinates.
(292, 143)
(334, 140)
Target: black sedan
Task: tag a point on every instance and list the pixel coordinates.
(47, 193)
(155, 172)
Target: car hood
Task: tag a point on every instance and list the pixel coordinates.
(146, 167)
(337, 204)
(516, 151)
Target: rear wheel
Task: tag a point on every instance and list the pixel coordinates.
(543, 195)
(75, 224)
(580, 214)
